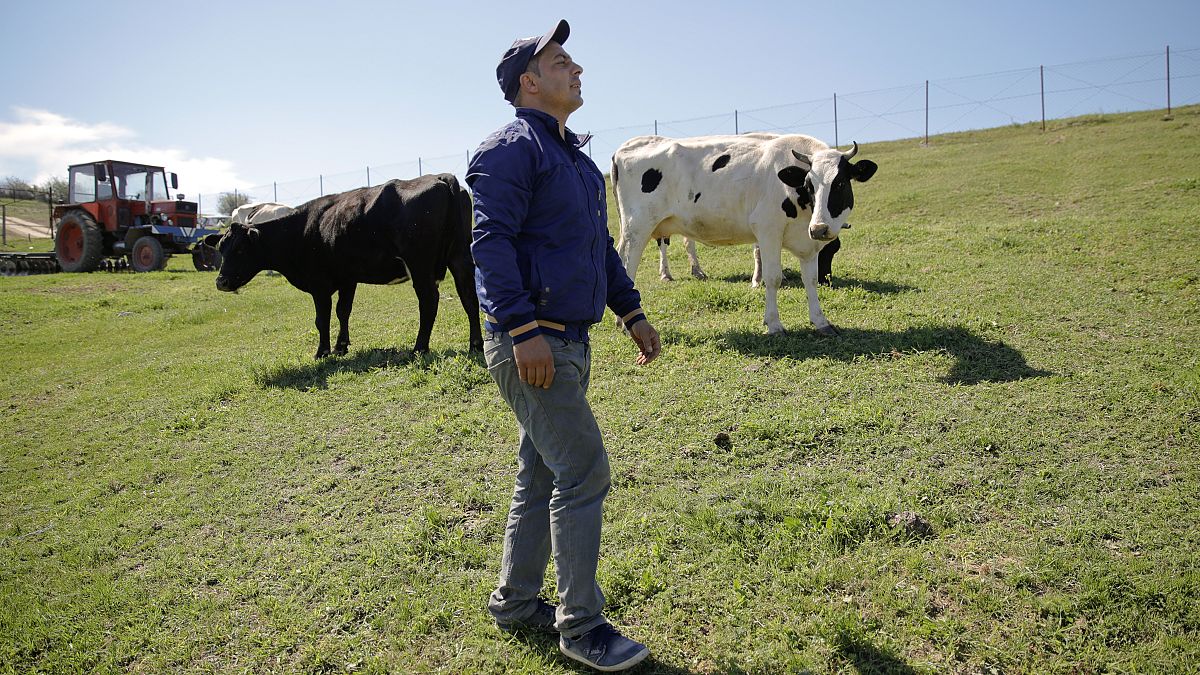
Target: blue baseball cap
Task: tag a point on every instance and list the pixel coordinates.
(516, 60)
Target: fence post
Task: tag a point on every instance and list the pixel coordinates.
(735, 124)
(1042, 78)
(368, 176)
(50, 210)
(835, 121)
(3, 224)
(926, 112)
(420, 171)
(655, 127)
(321, 178)
(1168, 80)
(274, 192)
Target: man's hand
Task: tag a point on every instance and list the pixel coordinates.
(647, 341)
(535, 361)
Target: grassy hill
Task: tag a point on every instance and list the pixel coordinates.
(183, 489)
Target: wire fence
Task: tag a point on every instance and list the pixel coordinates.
(1160, 80)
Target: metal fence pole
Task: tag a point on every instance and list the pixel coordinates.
(274, 192)
(655, 127)
(735, 124)
(1042, 78)
(835, 121)
(420, 171)
(50, 209)
(926, 112)
(368, 176)
(1168, 80)
(3, 224)
(321, 178)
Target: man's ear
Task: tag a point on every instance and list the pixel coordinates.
(529, 83)
(864, 170)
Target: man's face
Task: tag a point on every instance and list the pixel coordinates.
(559, 88)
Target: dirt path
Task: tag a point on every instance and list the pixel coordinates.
(17, 227)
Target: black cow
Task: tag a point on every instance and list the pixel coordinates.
(400, 230)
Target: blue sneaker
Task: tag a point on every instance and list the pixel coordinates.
(604, 648)
(541, 621)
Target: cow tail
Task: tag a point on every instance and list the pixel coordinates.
(617, 203)
(459, 241)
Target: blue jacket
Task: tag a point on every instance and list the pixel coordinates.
(544, 260)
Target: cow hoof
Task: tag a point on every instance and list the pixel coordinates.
(775, 330)
(477, 346)
(341, 350)
(700, 275)
(321, 353)
(828, 331)
(667, 277)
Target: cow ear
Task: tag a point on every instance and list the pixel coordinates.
(253, 232)
(212, 240)
(793, 176)
(864, 170)
(803, 159)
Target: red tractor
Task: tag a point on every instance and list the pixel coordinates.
(123, 210)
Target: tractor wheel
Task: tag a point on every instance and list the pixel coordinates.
(147, 255)
(79, 243)
(206, 258)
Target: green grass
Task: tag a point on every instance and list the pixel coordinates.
(183, 489)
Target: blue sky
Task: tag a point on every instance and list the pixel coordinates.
(235, 94)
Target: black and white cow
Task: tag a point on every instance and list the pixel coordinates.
(779, 191)
(385, 234)
(253, 214)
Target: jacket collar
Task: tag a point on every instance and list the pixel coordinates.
(551, 124)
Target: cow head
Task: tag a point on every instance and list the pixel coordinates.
(240, 257)
(822, 182)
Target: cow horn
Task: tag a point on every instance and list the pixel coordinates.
(802, 158)
(853, 151)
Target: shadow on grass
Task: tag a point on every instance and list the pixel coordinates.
(793, 278)
(547, 646)
(976, 359)
(316, 373)
(867, 658)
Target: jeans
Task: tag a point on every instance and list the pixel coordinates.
(562, 479)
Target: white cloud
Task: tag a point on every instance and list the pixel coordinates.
(45, 143)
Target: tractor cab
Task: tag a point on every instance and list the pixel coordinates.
(124, 210)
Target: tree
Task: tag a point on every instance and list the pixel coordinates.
(57, 187)
(16, 188)
(228, 201)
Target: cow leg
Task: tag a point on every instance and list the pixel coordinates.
(756, 279)
(772, 277)
(825, 262)
(694, 259)
(664, 270)
(427, 302)
(808, 271)
(463, 271)
(324, 303)
(345, 303)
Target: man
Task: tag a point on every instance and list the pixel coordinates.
(545, 270)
